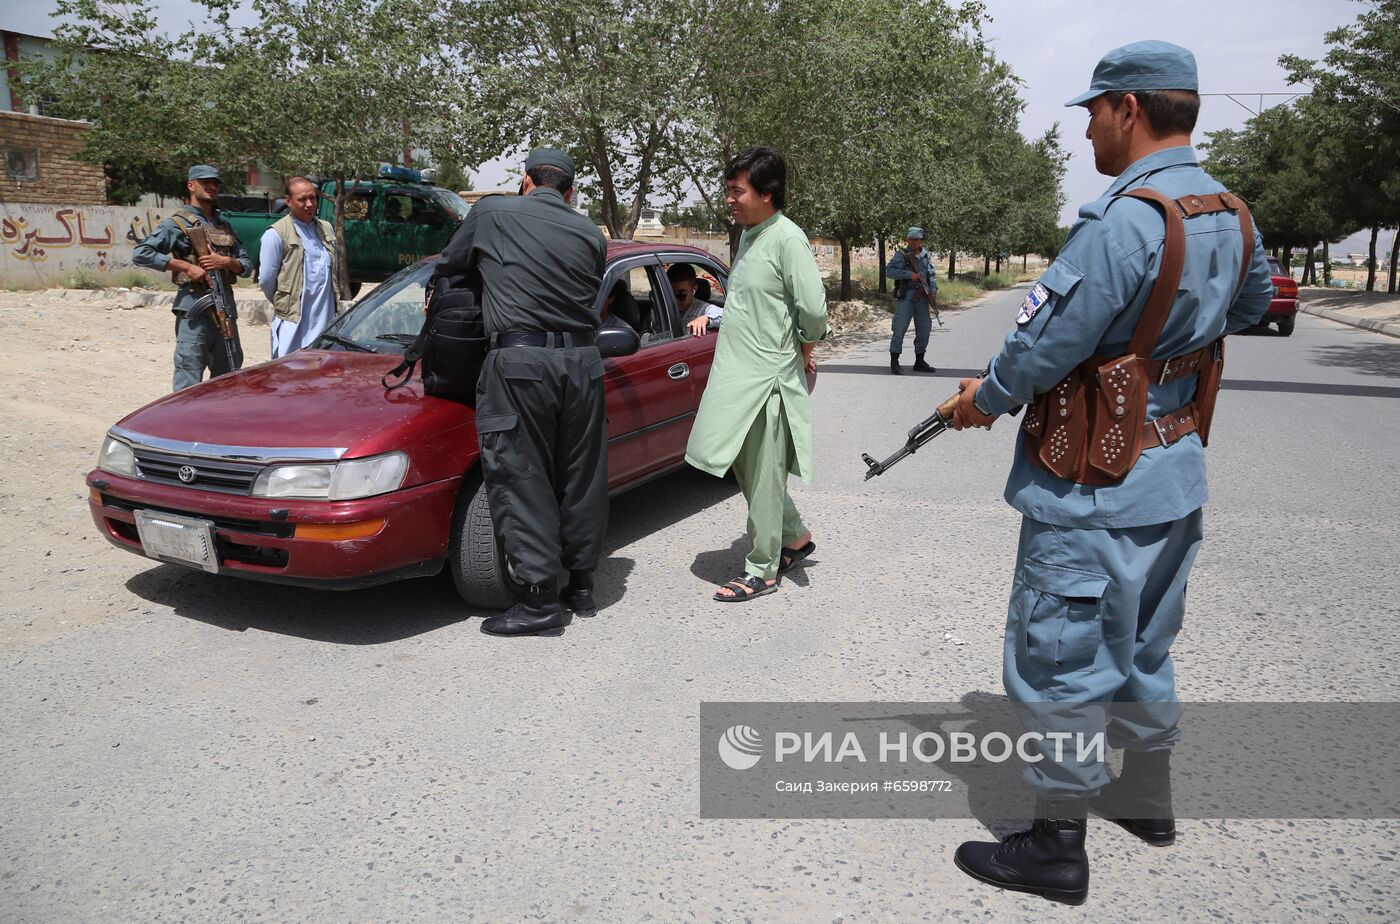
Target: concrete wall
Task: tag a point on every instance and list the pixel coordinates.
(51, 146)
(45, 246)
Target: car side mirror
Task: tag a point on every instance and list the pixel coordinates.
(617, 340)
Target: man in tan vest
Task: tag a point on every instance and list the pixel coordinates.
(297, 271)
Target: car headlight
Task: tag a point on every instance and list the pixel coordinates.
(116, 457)
(347, 480)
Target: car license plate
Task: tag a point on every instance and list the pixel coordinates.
(182, 540)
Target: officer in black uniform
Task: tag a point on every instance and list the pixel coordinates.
(539, 412)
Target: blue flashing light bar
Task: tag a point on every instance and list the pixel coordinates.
(390, 171)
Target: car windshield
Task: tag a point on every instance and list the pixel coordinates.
(386, 320)
(1273, 266)
(452, 203)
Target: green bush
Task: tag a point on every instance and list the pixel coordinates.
(956, 291)
(82, 279)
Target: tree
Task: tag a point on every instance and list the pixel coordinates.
(873, 142)
(1290, 168)
(347, 82)
(604, 79)
(327, 88)
(1356, 95)
(450, 175)
(153, 111)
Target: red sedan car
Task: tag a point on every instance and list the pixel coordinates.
(1284, 308)
(304, 470)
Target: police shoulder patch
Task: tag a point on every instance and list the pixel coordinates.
(1035, 300)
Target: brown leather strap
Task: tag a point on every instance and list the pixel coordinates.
(1161, 371)
(1159, 301)
(1234, 202)
(1169, 428)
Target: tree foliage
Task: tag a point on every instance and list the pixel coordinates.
(325, 88)
(1329, 164)
(891, 112)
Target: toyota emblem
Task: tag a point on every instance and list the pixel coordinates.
(187, 473)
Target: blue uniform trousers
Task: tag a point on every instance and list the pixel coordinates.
(198, 346)
(1092, 619)
(907, 308)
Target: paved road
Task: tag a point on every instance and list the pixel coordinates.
(219, 750)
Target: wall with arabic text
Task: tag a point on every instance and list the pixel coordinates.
(45, 246)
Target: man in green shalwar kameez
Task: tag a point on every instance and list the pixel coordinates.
(755, 416)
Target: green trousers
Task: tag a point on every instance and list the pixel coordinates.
(762, 471)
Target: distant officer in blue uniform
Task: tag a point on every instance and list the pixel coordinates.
(198, 343)
(1099, 589)
(910, 301)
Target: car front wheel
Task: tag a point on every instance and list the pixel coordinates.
(476, 558)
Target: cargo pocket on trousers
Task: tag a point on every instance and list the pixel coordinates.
(1062, 616)
(495, 434)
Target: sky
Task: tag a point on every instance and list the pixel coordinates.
(1053, 45)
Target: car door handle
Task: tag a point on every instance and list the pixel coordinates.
(678, 371)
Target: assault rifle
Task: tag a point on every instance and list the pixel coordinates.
(912, 261)
(940, 420)
(925, 430)
(219, 300)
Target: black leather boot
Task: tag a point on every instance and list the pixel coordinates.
(894, 365)
(579, 596)
(920, 365)
(538, 614)
(1047, 860)
(1140, 799)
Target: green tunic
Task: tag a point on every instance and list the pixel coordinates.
(776, 302)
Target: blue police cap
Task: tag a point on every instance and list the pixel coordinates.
(1150, 65)
(915, 233)
(550, 157)
(204, 172)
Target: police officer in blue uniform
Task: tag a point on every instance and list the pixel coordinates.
(1099, 589)
(910, 302)
(198, 343)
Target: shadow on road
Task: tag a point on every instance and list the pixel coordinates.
(996, 794)
(390, 612)
(1372, 363)
(884, 369)
(723, 565)
(1369, 359)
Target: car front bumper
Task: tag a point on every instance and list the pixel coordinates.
(257, 537)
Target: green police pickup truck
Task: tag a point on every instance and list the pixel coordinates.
(390, 222)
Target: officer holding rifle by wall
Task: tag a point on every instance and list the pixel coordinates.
(204, 337)
(539, 411)
(1116, 355)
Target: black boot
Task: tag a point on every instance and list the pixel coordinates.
(894, 364)
(1047, 860)
(920, 365)
(1140, 799)
(538, 614)
(579, 596)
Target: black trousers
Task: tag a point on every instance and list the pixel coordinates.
(540, 417)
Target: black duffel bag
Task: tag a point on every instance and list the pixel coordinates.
(451, 347)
